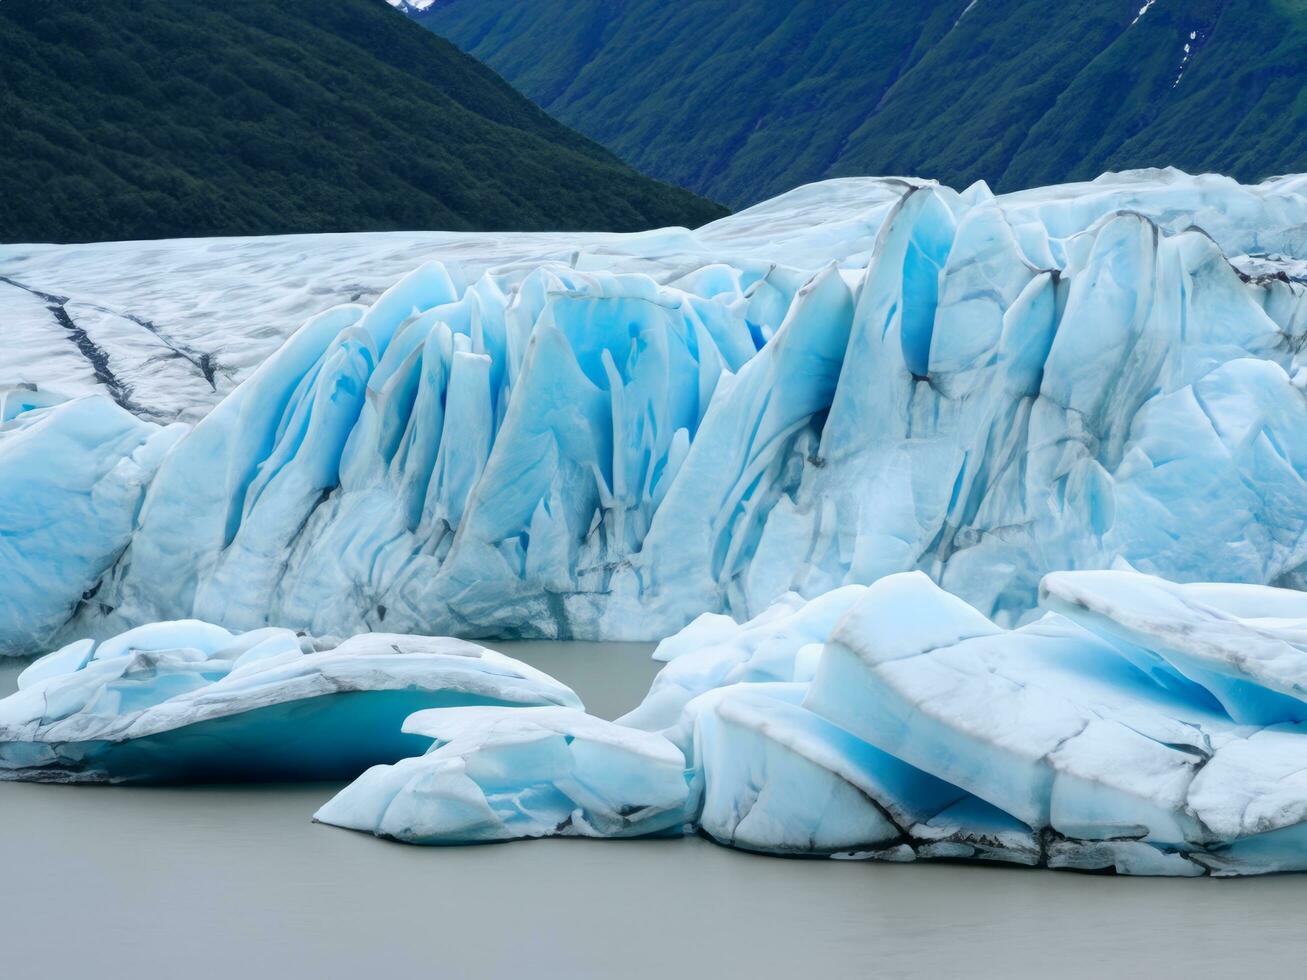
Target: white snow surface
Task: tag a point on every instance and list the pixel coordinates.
(412, 6)
(605, 436)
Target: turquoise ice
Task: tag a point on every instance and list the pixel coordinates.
(189, 701)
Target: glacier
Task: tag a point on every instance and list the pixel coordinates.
(972, 526)
(1114, 734)
(189, 701)
(602, 437)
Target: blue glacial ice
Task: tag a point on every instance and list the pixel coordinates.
(495, 774)
(1055, 725)
(73, 475)
(967, 509)
(858, 378)
(188, 701)
(1115, 737)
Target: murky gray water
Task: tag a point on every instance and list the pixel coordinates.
(223, 882)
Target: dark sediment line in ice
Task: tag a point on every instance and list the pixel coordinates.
(203, 363)
(120, 390)
(98, 357)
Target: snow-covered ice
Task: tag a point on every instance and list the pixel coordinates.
(191, 701)
(412, 6)
(606, 436)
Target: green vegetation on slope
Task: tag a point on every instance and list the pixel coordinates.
(742, 99)
(166, 118)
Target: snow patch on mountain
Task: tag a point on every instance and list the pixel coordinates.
(412, 6)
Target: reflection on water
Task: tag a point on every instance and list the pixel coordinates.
(218, 882)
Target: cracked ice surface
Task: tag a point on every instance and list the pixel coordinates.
(190, 701)
(606, 436)
(1106, 739)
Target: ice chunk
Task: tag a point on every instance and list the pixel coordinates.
(1055, 726)
(779, 644)
(188, 701)
(930, 733)
(497, 774)
(779, 778)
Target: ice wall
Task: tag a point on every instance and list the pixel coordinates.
(72, 478)
(985, 389)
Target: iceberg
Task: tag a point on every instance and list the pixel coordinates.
(495, 774)
(1146, 728)
(1057, 725)
(189, 701)
(604, 437)
(777, 778)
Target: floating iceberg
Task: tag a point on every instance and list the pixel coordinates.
(190, 701)
(858, 378)
(1056, 725)
(1155, 729)
(498, 774)
(777, 778)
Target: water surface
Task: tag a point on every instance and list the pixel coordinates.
(227, 882)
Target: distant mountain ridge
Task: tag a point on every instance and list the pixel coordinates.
(743, 99)
(185, 118)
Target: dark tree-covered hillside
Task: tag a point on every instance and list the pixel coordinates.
(128, 119)
(742, 99)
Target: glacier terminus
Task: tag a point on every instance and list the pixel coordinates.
(972, 525)
(855, 379)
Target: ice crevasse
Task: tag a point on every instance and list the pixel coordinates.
(856, 379)
(1138, 726)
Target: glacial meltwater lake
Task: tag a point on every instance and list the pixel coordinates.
(236, 882)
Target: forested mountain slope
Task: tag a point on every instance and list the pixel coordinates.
(165, 118)
(742, 99)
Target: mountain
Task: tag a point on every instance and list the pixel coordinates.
(742, 99)
(166, 118)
